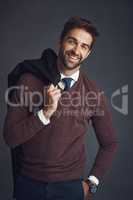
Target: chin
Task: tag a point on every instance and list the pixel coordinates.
(71, 66)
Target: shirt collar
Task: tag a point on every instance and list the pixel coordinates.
(74, 76)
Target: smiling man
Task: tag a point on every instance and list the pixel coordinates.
(74, 48)
(52, 156)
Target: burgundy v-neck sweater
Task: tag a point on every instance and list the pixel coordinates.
(56, 151)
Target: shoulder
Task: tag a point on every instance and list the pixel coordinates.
(95, 93)
(30, 81)
(28, 78)
(89, 84)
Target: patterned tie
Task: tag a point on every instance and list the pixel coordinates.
(67, 82)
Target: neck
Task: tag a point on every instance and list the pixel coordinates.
(64, 70)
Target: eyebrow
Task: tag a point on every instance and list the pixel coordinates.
(70, 37)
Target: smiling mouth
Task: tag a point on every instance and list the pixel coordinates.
(73, 58)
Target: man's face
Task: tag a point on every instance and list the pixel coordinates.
(75, 48)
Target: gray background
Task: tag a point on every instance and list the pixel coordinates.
(27, 27)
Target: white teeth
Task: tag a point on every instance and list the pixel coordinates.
(73, 58)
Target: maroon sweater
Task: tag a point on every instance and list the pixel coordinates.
(56, 151)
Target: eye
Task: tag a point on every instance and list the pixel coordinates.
(70, 41)
(85, 47)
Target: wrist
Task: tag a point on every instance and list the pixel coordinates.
(48, 113)
(92, 186)
(42, 117)
(93, 179)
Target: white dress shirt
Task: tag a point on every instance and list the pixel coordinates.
(40, 114)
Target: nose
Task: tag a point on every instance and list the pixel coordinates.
(77, 49)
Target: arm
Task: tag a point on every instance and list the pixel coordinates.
(106, 137)
(21, 125)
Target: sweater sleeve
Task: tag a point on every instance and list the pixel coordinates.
(106, 137)
(21, 124)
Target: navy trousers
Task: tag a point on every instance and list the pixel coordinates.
(29, 189)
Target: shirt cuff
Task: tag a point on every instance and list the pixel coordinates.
(93, 179)
(42, 117)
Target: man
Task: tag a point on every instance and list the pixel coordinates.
(52, 155)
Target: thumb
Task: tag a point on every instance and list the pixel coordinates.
(51, 87)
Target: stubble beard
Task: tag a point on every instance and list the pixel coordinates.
(66, 63)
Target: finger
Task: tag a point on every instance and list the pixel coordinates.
(56, 96)
(53, 89)
(53, 92)
(89, 195)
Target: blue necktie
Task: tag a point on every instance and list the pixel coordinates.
(67, 82)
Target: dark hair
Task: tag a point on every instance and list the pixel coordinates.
(78, 22)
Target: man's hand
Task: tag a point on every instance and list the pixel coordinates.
(52, 97)
(87, 194)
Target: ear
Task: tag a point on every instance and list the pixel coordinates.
(88, 54)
